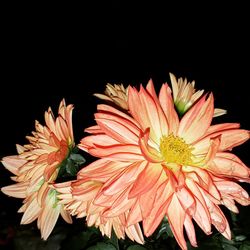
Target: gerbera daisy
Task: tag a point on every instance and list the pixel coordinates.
(165, 166)
(37, 165)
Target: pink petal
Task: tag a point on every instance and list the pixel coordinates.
(186, 199)
(110, 110)
(135, 214)
(85, 190)
(196, 121)
(68, 117)
(218, 218)
(228, 165)
(233, 138)
(49, 218)
(13, 163)
(146, 179)
(16, 190)
(124, 179)
(176, 217)
(102, 170)
(50, 170)
(156, 117)
(31, 212)
(167, 104)
(151, 223)
(134, 232)
(127, 152)
(220, 127)
(66, 216)
(230, 204)
(233, 190)
(229, 138)
(122, 204)
(163, 195)
(164, 123)
(201, 214)
(101, 139)
(118, 128)
(189, 227)
(144, 114)
(147, 200)
(94, 130)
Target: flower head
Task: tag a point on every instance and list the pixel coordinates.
(36, 167)
(185, 95)
(78, 198)
(115, 93)
(154, 164)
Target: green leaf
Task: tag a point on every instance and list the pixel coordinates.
(71, 165)
(71, 169)
(78, 241)
(114, 240)
(75, 150)
(136, 247)
(77, 158)
(102, 246)
(245, 246)
(240, 237)
(229, 247)
(62, 168)
(164, 229)
(31, 239)
(223, 240)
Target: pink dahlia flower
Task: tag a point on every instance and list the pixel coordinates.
(154, 164)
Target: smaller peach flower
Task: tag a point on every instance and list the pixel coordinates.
(37, 165)
(78, 199)
(185, 95)
(115, 93)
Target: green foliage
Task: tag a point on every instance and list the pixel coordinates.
(102, 246)
(136, 247)
(70, 166)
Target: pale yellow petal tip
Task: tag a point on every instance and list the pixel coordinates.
(219, 112)
(115, 93)
(20, 149)
(3, 190)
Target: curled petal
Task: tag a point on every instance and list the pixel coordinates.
(150, 153)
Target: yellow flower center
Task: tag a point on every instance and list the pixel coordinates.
(175, 150)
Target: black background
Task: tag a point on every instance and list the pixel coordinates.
(54, 52)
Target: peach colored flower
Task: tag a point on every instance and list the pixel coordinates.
(36, 166)
(185, 95)
(115, 93)
(154, 164)
(77, 198)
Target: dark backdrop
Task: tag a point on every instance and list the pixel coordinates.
(54, 52)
